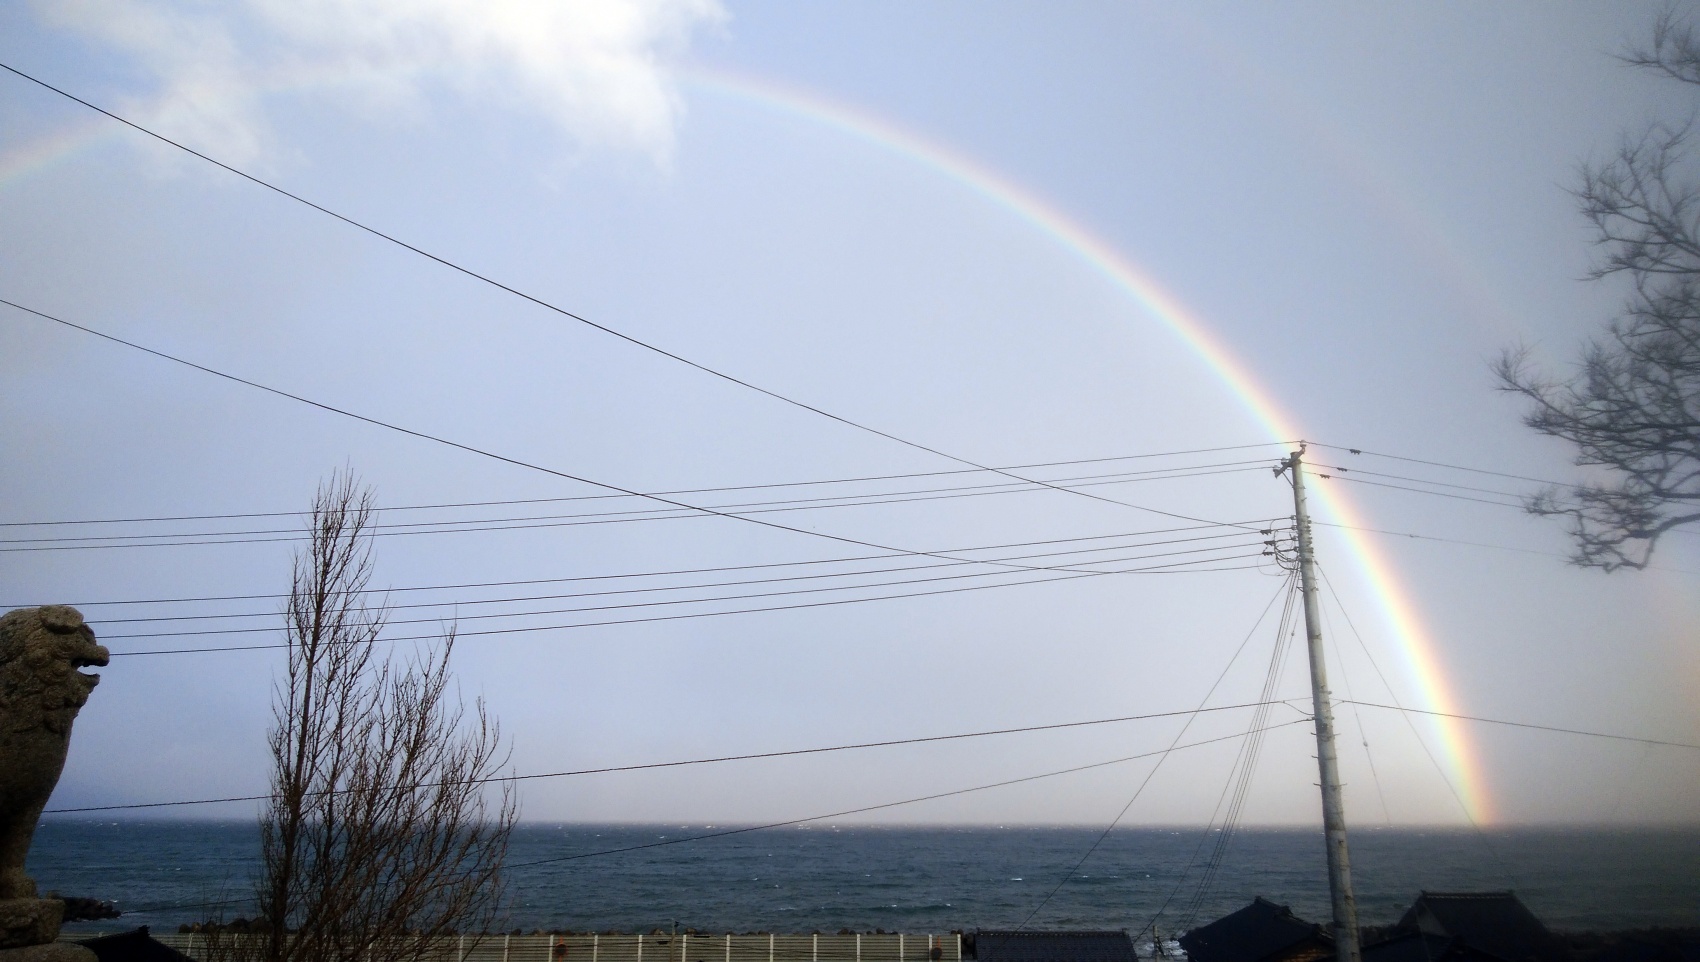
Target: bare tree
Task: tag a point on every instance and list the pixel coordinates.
(379, 840)
(1632, 407)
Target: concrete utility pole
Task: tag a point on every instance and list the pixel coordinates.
(1345, 927)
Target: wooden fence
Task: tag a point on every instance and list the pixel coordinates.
(764, 947)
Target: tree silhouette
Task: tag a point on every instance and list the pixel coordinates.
(1632, 406)
(378, 841)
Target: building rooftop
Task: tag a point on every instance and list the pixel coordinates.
(1023, 946)
(1261, 930)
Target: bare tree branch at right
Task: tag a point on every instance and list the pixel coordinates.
(1631, 409)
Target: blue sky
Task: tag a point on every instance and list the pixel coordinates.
(1363, 206)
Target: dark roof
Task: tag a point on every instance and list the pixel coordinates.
(1258, 931)
(137, 946)
(1677, 946)
(1414, 946)
(1004, 946)
(1497, 923)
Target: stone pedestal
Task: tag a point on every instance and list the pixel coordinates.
(29, 922)
(28, 928)
(51, 952)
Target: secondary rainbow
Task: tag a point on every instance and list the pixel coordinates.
(1415, 645)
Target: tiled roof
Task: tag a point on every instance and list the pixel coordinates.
(1258, 931)
(1497, 923)
(137, 946)
(1001, 946)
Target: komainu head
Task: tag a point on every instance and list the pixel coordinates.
(40, 652)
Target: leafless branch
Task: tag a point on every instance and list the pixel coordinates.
(1631, 406)
(381, 838)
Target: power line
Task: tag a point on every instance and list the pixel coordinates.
(458, 603)
(684, 839)
(1469, 544)
(463, 526)
(1358, 715)
(1439, 464)
(614, 769)
(1244, 769)
(1429, 537)
(1530, 725)
(783, 564)
(1214, 550)
(849, 500)
(1290, 593)
(566, 313)
(1071, 574)
(1437, 494)
(1285, 589)
(682, 491)
(491, 454)
(1341, 469)
(1422, 743)
(908, 801)
(1461, 467)
(665, 573)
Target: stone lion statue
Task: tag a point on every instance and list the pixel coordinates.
(41, 691)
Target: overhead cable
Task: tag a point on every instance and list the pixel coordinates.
(1530, 725)
(1341, 470)
(908, 801)
(657, 574)
(533, 522)
(538, 301)
(459, 604)
(1244, 768)
(684, 839)
(1214, 551)
(682, 491)
(1457, 796)
(1284, 590)
(1437, 464)
(1472, 470)
(1254, 562)
(1290, 593)
(482, 452)
(716, 760)
(1402, 487)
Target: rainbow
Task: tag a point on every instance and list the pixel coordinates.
(1417, 648)
(1415, 644)
(46, 151)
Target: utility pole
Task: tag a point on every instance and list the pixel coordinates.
(1345, 927)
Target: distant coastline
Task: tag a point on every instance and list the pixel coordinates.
(921, 879)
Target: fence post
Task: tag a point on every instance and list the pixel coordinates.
(640, 947)
(596, 945)
(728, 947)
(770, 947)
(814, 953)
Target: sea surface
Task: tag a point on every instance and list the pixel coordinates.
(824, 878)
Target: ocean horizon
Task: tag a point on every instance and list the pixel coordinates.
(641, 877)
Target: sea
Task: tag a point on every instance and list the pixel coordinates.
(639, 878)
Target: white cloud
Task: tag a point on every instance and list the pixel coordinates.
(596, 69)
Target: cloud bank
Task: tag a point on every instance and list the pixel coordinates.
(597, 70)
